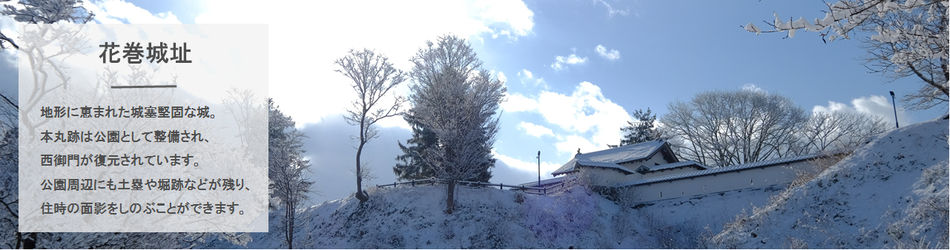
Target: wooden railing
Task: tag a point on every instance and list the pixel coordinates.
(413, 183)
(525, 189)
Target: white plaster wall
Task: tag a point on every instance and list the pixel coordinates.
(602, 176)
(678, 170)
(748, 178)
(649, 162)
(652, 161)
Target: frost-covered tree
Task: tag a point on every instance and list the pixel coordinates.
(33, 12)
(9, 198)
(373, 77)
(9, 179)
(641, 131)
(412, 166)
(43, 12)
(40, 12)
(910, 39)
(724, 128)
(286, 168)
(458, 100)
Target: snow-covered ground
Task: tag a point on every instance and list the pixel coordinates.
(412, 217)
(890, 193)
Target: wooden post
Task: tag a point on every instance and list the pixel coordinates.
(539, 168)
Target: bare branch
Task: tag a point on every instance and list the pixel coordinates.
(372, 77)
(909, 40)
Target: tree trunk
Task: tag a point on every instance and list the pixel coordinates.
(30, 241)
(359, 171)
(290, 226)
(450, 197)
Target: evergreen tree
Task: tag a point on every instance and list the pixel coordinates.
(413, 165)
(642, 130)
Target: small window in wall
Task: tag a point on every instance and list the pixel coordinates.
(661, 194)
(751, 182)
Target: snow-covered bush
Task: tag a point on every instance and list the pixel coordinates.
(669, 235)
(563, 220)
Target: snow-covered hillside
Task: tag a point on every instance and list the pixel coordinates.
(889, 193)
(892, 192)
(412, 217)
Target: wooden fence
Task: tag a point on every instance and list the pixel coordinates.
(525, 189)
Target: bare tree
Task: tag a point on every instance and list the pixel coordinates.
(458, 100)
(826, 131)
(373, 76)
(33, 12)
(9, 197)
(910, 40)
(43, 12)
(727, 128)
(286, 168)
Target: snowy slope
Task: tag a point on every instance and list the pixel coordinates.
(889, 193)
(892, 192)
(412, 217)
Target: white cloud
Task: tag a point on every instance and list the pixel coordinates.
(527, 74)
(501, 77)
(535, 130)
(585, 110)
(303, 81)
(519, 103)
(8, 28)
(115, 11)
(390, 122)
(561, 62)
(610, 55)
(873, 105)
(572, 143)
(527, 166)
(513, 15)
(611, 11)
(589, 120)
(753, 88)
(527, 78)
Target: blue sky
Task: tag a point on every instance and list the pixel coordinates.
(575, 70)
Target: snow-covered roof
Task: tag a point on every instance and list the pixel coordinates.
(574, 163)
(611, 158)
(728, 169)
(676, 165)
